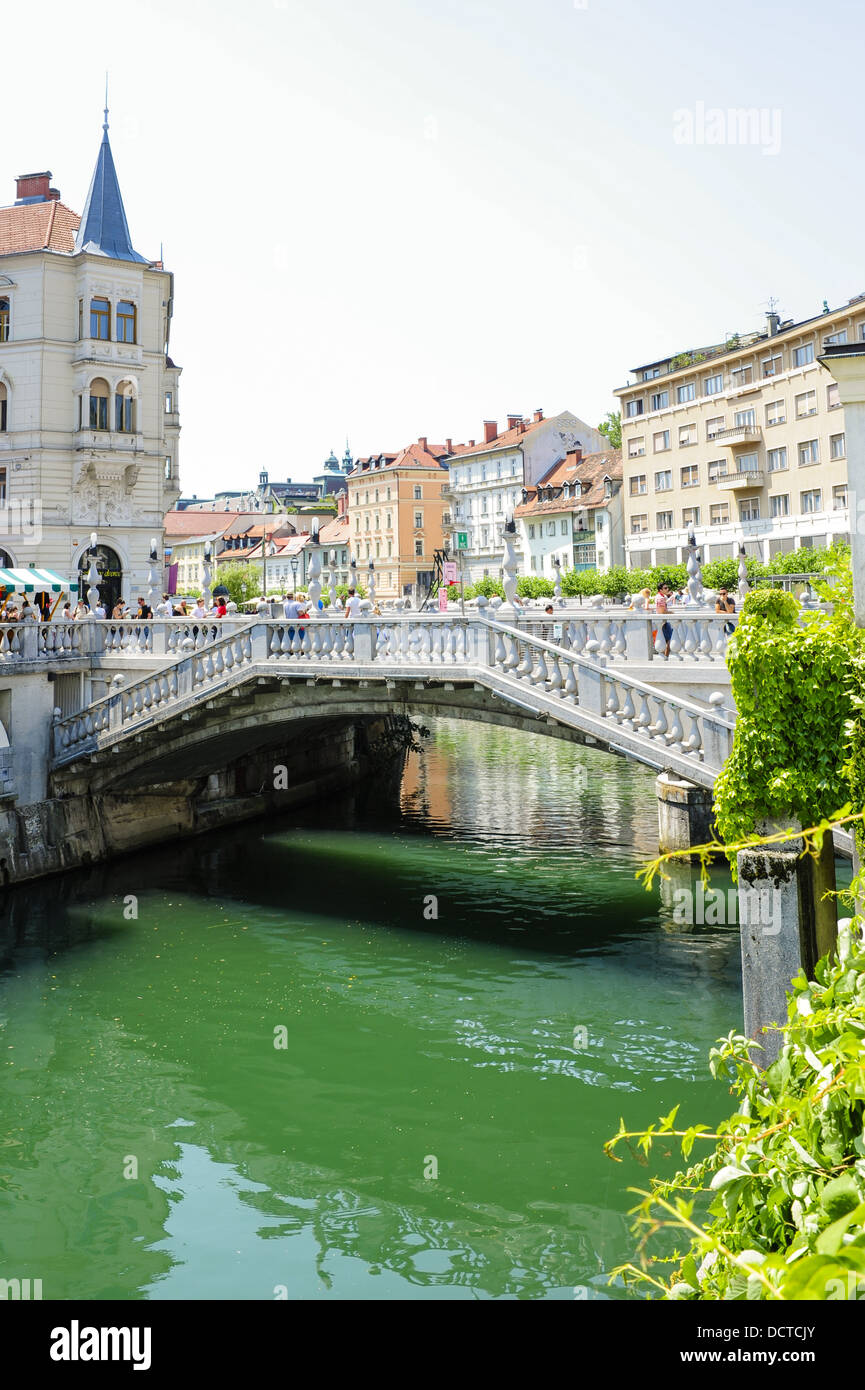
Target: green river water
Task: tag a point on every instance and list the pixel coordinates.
(429, 1129)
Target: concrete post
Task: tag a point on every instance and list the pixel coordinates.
(684, 813)
(362, 642)
(592, 689)
(638, 639)
(786, 923)
(260, 637)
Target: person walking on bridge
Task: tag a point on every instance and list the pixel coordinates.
(352, 605)
(662, 605)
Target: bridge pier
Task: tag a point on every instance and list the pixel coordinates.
(786, 923)
(684, 813)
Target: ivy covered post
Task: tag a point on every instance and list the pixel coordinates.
(795, 683)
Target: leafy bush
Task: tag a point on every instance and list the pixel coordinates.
(243, 582)
(795, 688)
(785, 1181)
(533, 586)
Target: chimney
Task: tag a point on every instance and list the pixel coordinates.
(514, 421)
(471, 443)
(577, 452)
(35, 188)
(422, 441)
(449, 445)
(773, 320)
(539, 415)
(491, 429)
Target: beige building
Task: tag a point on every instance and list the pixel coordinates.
(89, 414)
(742, 443)
(398, 511)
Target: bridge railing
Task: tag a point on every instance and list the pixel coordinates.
(558, 678)
(627, 636)
(682, 726)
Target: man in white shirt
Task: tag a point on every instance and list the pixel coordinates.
(199, 611)
(352, 605)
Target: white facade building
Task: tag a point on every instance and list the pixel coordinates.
(89, 420)
(487, 480)
(574, 517)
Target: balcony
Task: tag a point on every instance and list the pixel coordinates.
(108, 441)
(741, 482)
(738, 434)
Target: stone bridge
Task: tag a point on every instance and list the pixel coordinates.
(223, 693)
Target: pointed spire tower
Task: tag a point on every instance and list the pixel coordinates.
(104, 230)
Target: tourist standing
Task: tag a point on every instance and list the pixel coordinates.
(662, 605)
(352, 605)
(725, 603)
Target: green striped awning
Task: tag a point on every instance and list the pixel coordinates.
(36, 582)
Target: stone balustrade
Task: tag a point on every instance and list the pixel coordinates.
(558, 681)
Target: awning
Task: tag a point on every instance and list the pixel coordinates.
(36, 582)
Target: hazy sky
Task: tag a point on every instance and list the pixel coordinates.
(395, 219)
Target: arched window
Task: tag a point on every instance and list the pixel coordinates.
(124, 409)
(125, 321)
(4, 406)
(4, 320)
(100, 319)
(99, 404)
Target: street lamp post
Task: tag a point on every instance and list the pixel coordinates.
(207, 597)
(153, 574)
(294, 572)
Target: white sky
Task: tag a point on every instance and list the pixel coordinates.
(401, 217)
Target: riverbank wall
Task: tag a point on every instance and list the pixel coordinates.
(78, 828)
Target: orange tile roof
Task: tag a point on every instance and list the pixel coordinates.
(47, 226)
(590, 470)
(419, 455)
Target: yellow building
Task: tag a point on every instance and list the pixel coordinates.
(398, 515)
(742, 443)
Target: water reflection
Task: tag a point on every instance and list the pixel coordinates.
(302, 1169)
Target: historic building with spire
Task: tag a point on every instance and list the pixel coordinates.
(89, 420)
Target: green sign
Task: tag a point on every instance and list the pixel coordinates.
(462, 540)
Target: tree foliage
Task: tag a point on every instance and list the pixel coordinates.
(611, 426)
(795, 678)
(243, 581)
(779, 1211)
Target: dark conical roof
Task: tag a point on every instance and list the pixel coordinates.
(104, 230)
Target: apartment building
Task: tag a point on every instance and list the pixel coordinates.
(487, 479)
(573, 519)
(397, 506)
(742, 443)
